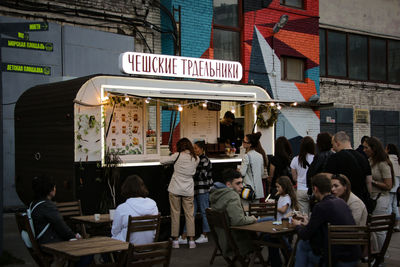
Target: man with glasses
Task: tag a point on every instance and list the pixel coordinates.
(226, 197)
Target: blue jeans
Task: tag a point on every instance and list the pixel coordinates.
(305, 256)
(201, 201)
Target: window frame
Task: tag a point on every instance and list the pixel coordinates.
(238, 29)
(347, 34)
(296, 7)
(284, 74)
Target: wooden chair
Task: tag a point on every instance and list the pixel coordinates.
(379, 223)
(263, 209)
(69, 209)
(348, 235)
(43, 260)
(149, 254)
(218, 221)
(144, 223)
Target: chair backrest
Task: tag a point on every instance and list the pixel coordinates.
(72, 208)
(144, 223)
(36, 253)
(149, 254)
(218, 220)
(379, 223)
(348, 235)
(263, 209)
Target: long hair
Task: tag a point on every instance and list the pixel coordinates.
(307, 146)
(324, 142)
(344, 181)
(185, 144)
(255, 144)
(202, 145)
(378, 153)
(283, 149)
(287, 188)
(134, 186)
(392, 149)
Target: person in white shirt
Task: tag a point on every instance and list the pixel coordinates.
(287, 201)
(394, 157)
(136, 204)
(299, 167)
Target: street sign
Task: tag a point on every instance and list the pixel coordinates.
(22, 68)
(18, 35)
(42, 46)
(24, 27)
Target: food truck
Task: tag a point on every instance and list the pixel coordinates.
(90, 133)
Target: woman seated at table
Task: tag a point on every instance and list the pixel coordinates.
(341, 187)
(137, 204)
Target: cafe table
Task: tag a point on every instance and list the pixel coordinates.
(274, 230)
(71, 251)
(104, 219)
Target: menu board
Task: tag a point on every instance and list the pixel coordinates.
(200, 124)
(125, 131)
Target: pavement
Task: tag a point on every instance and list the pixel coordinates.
(181, 257)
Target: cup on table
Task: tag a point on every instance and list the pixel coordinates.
(97, 217)
(112, 211)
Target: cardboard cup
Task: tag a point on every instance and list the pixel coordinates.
(112, 211)
(97, 217)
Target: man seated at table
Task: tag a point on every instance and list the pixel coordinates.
(225, 197)
(47, 218)
(313, 233)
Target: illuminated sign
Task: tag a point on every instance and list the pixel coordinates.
(21, 68)
(42, 46)
(24, 27)
(183, 67)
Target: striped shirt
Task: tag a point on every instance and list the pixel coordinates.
(203, 176)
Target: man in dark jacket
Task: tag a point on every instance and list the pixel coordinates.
(46, 213)
(225, 197)
(314, 232)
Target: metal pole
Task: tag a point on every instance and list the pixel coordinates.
(1, 157)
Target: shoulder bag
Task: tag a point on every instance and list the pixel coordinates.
(248, 191)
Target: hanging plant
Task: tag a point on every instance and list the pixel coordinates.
(271, 114)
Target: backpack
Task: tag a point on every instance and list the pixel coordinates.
(24, 234)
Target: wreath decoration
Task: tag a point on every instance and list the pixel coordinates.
(272, 116)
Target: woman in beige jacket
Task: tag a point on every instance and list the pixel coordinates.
(341, 188)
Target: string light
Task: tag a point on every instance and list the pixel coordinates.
(294, 104)
(180, 108)
(126, 98)
(233, 110)
(205, 104)
(279, 107)
(272, 104)
(147, 100)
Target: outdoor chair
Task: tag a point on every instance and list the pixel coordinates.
(149, 254)
(43, 260)
(218, 221)
(379, 223)
(144, 223)
(263, 209)
(69, 209)
(348, 235)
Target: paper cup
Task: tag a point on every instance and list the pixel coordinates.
(97, 217)
(112, 211)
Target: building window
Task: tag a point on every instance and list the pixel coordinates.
(292, 3)
(227, 29)
(292, 69)
(359, 57)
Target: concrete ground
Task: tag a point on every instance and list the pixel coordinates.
(181, 257)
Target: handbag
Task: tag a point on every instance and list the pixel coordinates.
(248, 192)
(371, 203)
(169, 168)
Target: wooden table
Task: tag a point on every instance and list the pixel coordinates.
(274, 231)
(104, 218)
(73, 250)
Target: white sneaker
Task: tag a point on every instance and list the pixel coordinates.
(182, 241)
(192, 244)
(202, 239)
(175, 244)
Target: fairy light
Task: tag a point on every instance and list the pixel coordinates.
(294, 104)
(147, 100)
(272, 104)
(233, 110)
(126, 98)
(180, 108)
(279, 107)
(205, 104)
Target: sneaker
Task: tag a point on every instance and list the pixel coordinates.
(182, 241)
(192, 244)
(175, 244)
(202, 239)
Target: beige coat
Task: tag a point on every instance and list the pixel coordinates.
(358, 209)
